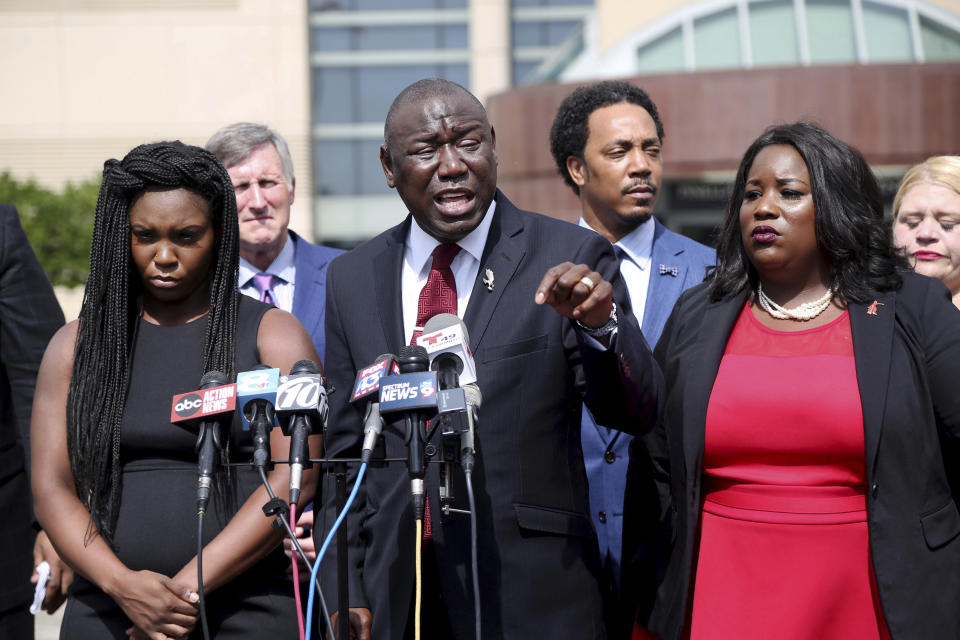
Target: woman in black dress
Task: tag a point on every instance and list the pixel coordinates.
(114, 481)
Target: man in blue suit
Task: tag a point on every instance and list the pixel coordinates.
(259, 163)
(607, 140)
(276, 264)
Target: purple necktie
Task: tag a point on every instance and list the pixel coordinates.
(264, 284)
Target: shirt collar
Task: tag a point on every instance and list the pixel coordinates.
(636, 245)
(420, 244)
(283, 266)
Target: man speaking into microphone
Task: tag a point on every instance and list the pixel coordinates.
(550, 328)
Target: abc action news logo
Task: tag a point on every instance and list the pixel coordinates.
(197, 404)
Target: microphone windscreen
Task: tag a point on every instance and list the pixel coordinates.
(302, 367)
(472, 392)
(444, 320)
(213, 379)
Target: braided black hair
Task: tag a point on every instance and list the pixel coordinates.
(98, 386)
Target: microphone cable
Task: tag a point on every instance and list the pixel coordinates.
(300, 552)
(419, 580)
(468, 476)
(314, 577)
(296, 571)
(203, 603)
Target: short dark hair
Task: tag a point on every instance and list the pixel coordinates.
(569, 133)
(848, 218)
(422, 90)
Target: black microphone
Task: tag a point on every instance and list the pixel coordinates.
(413, 359)
(210, 437)
(302, 409)
(256, 394)
(367, 390)
(467, 447)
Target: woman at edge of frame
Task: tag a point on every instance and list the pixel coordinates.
(809, 383)
(115, 482)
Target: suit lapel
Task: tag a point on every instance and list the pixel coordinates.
(872, 328)
(502, 255)
(663, 289)
(310, 293)
(387, 270)
(713, 331)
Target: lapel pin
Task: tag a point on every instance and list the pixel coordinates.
(665, 270)
(488, 279)
(872, 309)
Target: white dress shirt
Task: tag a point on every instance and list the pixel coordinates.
(418, 259)
(283, 269)
(635, 251)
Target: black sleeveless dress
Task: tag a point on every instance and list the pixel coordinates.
(157, 524)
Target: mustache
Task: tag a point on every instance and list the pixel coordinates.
(640, 182)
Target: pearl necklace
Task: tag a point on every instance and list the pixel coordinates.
(803, 312)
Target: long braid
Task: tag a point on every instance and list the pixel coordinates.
(98, 386)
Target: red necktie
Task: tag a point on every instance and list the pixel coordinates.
(439, 295)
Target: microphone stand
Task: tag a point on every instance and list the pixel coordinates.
(343, 579)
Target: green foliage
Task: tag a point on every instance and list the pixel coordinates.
(58, 225)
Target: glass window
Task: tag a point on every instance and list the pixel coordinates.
(773, 34)
(372, 5)
(717, 40)
(543, 34)
(380, 38)
(888, 33)
(333, 167)
(378, 86)
(333, 92)
(551, 3)
(524, 70)
(371, 180)
(830, 31)
(348, 167)
(940, 43)
(662, 55)
(330, 39)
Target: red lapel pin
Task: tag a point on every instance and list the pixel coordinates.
(872, 309)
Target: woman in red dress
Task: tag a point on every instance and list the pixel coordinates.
(811, 381)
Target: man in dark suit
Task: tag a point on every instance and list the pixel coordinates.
(29, 316)
(537, 296)
(607, 141)
(276, 264)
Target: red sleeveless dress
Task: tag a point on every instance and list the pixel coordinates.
(784, 549)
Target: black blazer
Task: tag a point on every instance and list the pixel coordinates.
(537, 547)
(908, 366)
(29, 316)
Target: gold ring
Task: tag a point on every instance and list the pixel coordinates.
(588, 282)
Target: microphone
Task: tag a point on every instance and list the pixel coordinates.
(447, 343)
(302, 409)
(207, 408)
(412, 392)
(467, 449)
(256, 394)
(367, 389)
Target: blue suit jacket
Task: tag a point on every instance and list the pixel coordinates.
(310, 291)
(605, 450)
